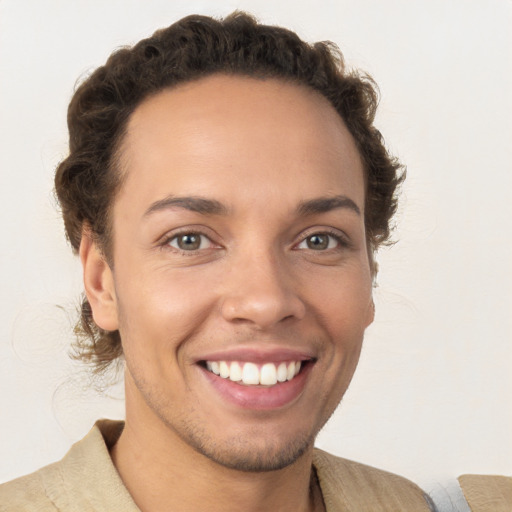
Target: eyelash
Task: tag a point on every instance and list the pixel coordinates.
(166, 242)
(341, 240)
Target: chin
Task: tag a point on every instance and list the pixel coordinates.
(245, 456)
(250, 451)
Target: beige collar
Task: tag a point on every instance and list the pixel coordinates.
(346, 486)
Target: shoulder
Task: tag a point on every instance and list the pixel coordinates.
(487, 493)
(85, 479)
(349, 485)
(31, 493)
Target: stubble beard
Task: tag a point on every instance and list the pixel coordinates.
(241, 453)
(251, 450)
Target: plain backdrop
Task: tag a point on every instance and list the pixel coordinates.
(431, 397)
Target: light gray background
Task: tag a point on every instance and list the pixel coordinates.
(431, 398)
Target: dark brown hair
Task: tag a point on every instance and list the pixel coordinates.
(87, 181)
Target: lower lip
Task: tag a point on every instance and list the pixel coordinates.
(259, 397)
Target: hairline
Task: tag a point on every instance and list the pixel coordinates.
(117, 163)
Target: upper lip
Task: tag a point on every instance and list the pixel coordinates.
(258, 355)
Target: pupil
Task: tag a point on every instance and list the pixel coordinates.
(189, 242)
(318, 242)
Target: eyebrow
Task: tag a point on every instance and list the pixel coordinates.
(192, 203)
(206, 206)
(326, 204)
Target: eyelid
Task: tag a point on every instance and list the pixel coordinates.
(164, 241)
(176, 238)
(340, 236)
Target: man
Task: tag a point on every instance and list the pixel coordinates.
(226, 191)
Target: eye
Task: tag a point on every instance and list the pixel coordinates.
(320, 242)
(190, 242)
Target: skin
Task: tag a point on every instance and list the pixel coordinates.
(257, 282)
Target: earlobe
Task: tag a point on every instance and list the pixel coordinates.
(371, 313)
(98, 283)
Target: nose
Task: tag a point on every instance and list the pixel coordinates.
(260, 291)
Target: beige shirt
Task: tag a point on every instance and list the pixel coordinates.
(85, 480)
(487, 493)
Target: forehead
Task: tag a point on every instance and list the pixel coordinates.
(221, 132)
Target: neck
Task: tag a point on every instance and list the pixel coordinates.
(162, 472)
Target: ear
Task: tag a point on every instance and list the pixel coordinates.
(98, 283)
(371, 313)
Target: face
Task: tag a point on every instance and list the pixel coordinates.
(240, 284)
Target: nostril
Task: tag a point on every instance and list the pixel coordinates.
(262, 308)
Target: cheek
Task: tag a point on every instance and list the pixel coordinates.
(343, 300)
(160, 309)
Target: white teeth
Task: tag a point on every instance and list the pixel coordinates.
(235, 373)
(215, 367)
(268, 374)
(282, 372)
(224, 369)
(252, 375)
(290, 371)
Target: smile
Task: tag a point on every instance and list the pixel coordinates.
(252, 374)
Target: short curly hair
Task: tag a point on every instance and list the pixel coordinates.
(87, 181)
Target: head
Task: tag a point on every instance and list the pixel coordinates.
(226, 190)
(89, 179)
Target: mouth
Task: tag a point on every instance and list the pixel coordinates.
(256, 379)
(258, 386)
(248, 373)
